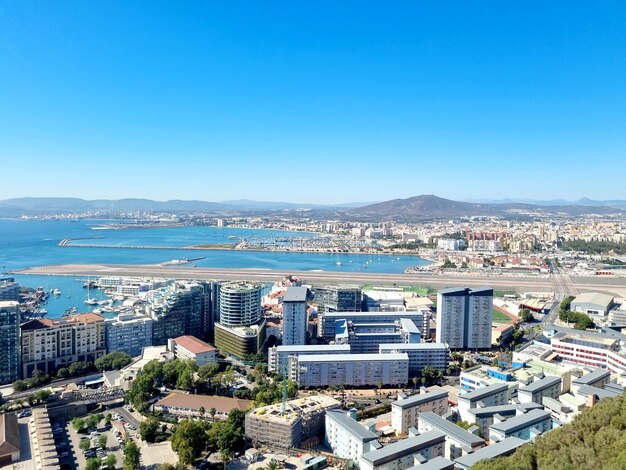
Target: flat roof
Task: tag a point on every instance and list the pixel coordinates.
(591, 377)
(521, 421)
(504, 409)
(499, 449)
(354, 357)
(377, 315)
(412, 346)
(463, 436)
(420, 398)
(193, 344)
(403, 448)
(296, 294)
(540, 384)
(601, 393)
(483, 392)
(195, 402)
(351, 425)
(312, 347)
(594, 298)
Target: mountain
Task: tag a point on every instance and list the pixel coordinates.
(55, 205)
(428, 207)
(555, 202)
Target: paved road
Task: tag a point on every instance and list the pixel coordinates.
(317, 277)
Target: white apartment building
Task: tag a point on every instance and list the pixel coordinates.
(191, 348)
(459, 442)
(128, 333)
(491, 395)
(346, 437)
(451, 244)
(405, 411)
(277, 356)
(464, 317)
(406, 453)
(526, 426)
(295, 317)
(352, 369)
(420, 355)
(549, 386)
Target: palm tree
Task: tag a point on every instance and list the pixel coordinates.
(272, 465)
(202, 411)
(212, 412)
(415, 380)
(379, 384)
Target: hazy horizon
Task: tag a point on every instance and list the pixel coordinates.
(322, 103)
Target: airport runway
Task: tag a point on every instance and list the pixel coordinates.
(521, 283)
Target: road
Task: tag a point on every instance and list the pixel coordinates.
(522, 283)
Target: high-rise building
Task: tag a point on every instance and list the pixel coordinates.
(9, 341)
(241, 327)
(295, 318)
(9, 289)
(464, 317)
(338, 299)
(178, 309)
(128, 333)
(50, 344)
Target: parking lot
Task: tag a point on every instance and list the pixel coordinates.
(115, 436)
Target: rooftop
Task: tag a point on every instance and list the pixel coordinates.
(483, 392)
(521, 421)
(592, 377)
(412, 346)
(403, 448)
(296, 294)
(601, 393)
(415, 400)
(499, 449)
(462, 436)
(392, 357)
(594, 298)
(504, 409)
(313, 347)
(351, 425)
(540, 384)
(195, 402)
(9, 434)
(438, 463)
(294, 409)
(40, 323)
(193, 344)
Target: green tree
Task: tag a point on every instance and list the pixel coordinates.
(189, 440)
(63, 373)
(79, 424)
(526, 315)
(84, 444)
(113, 361)
(41, 396)
(131, 455)
(92, 464)
(212, 412)
(102, 440)
(415, 381)
(207, 371)
(110, 462)
(92, 421)
(272, 465)
(19, 386)
(149, 429)
(108, 418)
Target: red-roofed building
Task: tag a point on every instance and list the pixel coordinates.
(190, 347)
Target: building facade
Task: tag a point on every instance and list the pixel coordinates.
(47, 344)
(192, 348)
(405, 411)
(403, 454)
(420, 355)
(338, 299)
(9, 341)
(295, 317)
(128, 333)
(346, 437)
(464, 318)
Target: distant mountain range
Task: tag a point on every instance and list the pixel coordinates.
(414, 209)
(555, 202)
(55, 205)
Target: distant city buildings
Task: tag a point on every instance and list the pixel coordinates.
(338, 299)
(9, 289)
(464, 318)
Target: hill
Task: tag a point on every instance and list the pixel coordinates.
(427, 207)
(595, 440)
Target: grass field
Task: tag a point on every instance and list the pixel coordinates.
(500, 317)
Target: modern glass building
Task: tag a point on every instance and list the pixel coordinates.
(9, 342)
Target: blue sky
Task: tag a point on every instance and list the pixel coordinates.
(312, 101)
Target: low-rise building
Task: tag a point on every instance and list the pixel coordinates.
(277, 356)
(192, 348)
(401, 455)
(353, 369)
(459, 441)
(499, 449)
(346, 437)
(405, 411)
(491, 395)
(9, 439)
(590, 350)
(302, 420)
(548, 386)
(596, 378)
(592, 303)
(485, 417)
(200, 406)
(526, 426)
(438, 463)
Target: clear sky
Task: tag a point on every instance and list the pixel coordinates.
(313, 101)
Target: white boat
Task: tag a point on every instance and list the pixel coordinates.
(339, 263)
(91, 301)
(56, 291)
